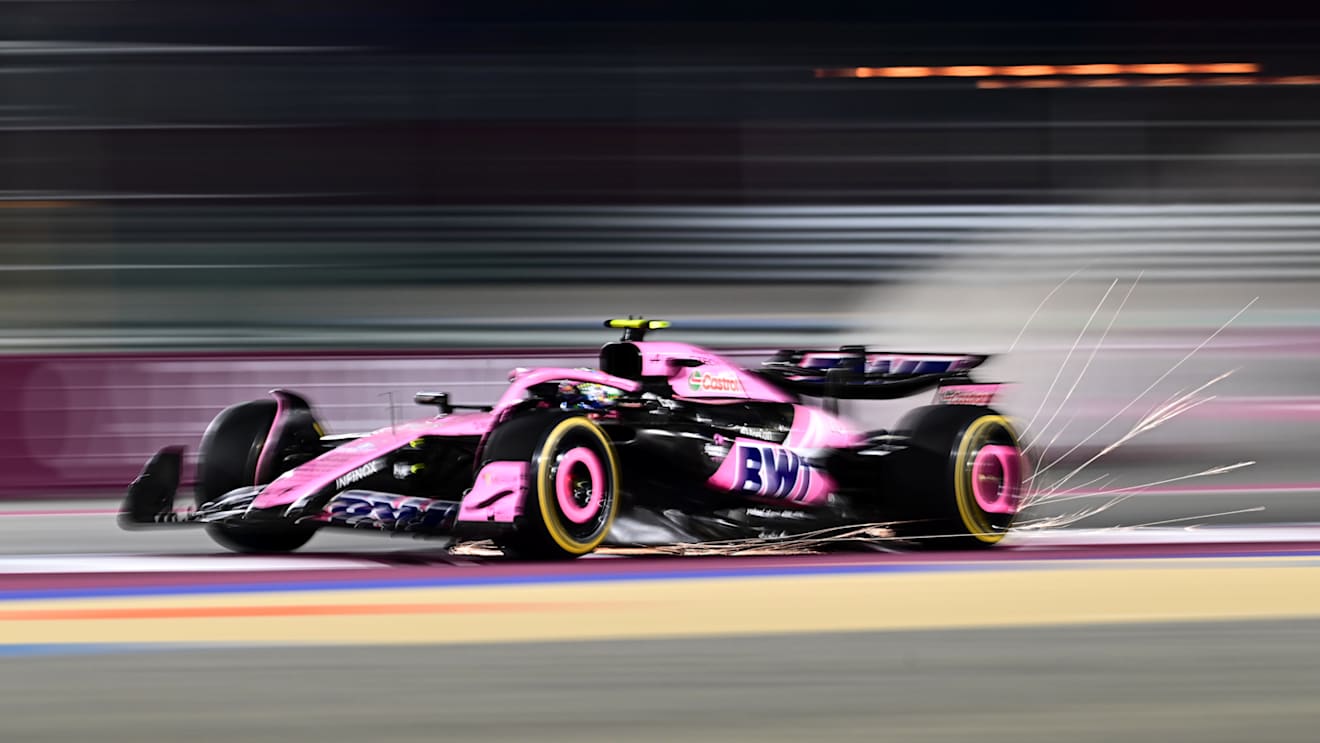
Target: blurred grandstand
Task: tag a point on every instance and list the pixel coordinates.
(196, 174)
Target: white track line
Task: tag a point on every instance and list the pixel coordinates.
(49, 564)
(1165, 535)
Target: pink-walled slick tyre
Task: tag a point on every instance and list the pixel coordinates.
(968, 480)
(573, 493)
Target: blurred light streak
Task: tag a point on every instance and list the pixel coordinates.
(1045, 70)
(85, 48)
(965, 71)
(1091, 69)
(1117, 82)
(1238, 81)
(35, 204)
(1034, 70)
(1160, 69)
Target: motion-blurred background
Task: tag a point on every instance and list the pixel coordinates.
(200, 200)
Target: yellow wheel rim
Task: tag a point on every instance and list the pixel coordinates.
(545, 495)
(973, 519)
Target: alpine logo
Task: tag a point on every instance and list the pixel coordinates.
(773, 472)
(352, 476)
(711, 382)
(386, 511)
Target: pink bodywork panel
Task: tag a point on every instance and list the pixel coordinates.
(311, 477)
(773, 473)
(272, 436)
(716, 377)
(816, 429)
(781, 473)
(497, 494)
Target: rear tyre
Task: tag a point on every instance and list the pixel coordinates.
(230, 454)
(573, 495)
(966, 479)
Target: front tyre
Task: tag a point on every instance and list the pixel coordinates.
(573, 495)
(229, 458)
(968, 476)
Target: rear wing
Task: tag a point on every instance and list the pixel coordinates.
(855, 373)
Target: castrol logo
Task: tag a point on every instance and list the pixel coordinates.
(712, 382)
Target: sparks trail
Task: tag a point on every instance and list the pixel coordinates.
(1177, 404)
(1143, 393)
(1208, 472)
(806, 541)
(1085, 367)
(1156, 418)
(1050, 444)
(1117, 496)
(1066, 359)
(1162, 414)
(1047, 298)
(1093, 481)
(1068, 519)
(1253, 509)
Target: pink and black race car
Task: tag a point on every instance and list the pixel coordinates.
(673, 436)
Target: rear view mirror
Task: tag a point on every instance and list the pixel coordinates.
(438, 399)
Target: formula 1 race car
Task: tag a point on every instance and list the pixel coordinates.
(671, 430)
